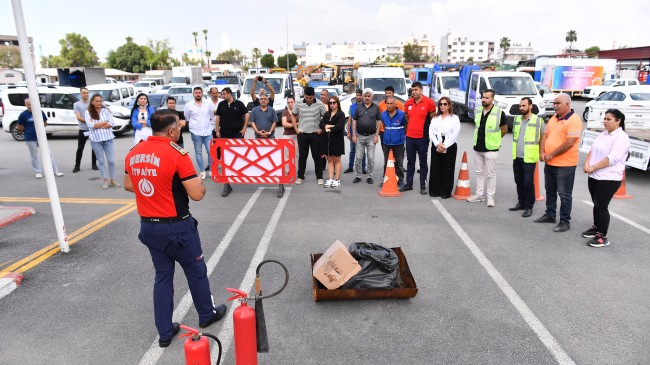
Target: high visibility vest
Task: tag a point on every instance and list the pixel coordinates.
(531, 138)
(492, 129)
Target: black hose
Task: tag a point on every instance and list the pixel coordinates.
(286, 277)
(218, 344)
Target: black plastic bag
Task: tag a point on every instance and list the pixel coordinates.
(378, 267)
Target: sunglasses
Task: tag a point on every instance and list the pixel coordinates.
(332, 102)
(444, 104)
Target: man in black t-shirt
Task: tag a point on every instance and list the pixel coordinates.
(232, 120)
(171, 105)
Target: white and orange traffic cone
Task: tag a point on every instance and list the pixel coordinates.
(621, 193)
(389, 189)
(538, 195)
(463, 190)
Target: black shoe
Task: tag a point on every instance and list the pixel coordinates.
(175, 330)
(445, 196)
(590, 233)
(381, 184)
(76, 169)
(562, 227)
(95, 167)
(356, 180)
(434, 195)
(348, 170)
(364, 171)
(599, 241)
(220, 311)
(527, 213)
(545, 219)
(226, 190)
(519, 206)
(280, 191)
(424, 191)
(369, 180)
(405, 188)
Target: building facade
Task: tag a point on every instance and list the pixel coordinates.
(516, 52)
(11, 41)
(454, 49)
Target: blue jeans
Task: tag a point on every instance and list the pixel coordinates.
(353, 151)
(558, 180)
(200, 141)
(101, 148)
(421, 147)
(33, 153)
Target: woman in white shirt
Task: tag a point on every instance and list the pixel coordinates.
(443, 132)
(100, 124)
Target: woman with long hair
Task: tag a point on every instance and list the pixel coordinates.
(100, 124)
(141, 117)
(443, 133)
(289, 131)
(605, 165)
(333, 123)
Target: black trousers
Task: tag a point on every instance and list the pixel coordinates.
(602, 192)
(398, 154)
(307, 142)
(525, 180)
(441, 172)
(81, 143)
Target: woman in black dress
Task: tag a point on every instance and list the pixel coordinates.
(333, 123)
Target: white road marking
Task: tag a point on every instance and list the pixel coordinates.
(226, 334)
(155, 352)
(632, 223)
(533, 322)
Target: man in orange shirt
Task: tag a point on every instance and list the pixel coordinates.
(559, 149)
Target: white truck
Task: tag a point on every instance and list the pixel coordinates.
(637, 126)
(282, 84)
(442, 83)
(592, 92)
(162, 76)
(232, 81)
(509, 88)
(186, 75)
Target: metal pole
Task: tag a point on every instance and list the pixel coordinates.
(44, 150)
(288, 69)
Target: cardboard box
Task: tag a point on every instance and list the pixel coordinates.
(336, 266)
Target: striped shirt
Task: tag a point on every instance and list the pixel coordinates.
(100, 134)
(310, 115)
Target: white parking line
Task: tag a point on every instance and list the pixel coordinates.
(226, 334)
(533, 322)
(632, 223)
(155, 352)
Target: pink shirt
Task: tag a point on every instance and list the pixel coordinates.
(614, 146)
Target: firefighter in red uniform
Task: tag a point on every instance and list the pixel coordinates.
(162, 176)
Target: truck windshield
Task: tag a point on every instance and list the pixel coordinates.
(379, 84)
(608, 83)
(513, 85)
(276, 83)
(180, 79)
(225, 80)
(450, 82)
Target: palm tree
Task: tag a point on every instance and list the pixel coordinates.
(205, 35)
(505, 44)
(196, 44)
(256, 55)
(571, 36)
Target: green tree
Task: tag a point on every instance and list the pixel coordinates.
(592, 52)
(233, 56)
(470, 60)
(53, 62)
(160, 54)
(293, 60)
(412, 53)
(10, 57)
(571, 36)
(207, 57)
(186, 60)
(130, 57)
(76, 51)
(257, 54)
(268, 60)
(505, 45)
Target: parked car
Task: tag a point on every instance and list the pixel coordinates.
(185, 89)
(592, 92)
(547, 98)
(331, 90)
(113, 94)
(144, 86)
(628, 97)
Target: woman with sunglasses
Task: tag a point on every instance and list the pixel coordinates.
(100, 124)
(443, 134)
(140, 117)
(333, 123)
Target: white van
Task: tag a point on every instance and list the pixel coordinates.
(57, 103)
(282, 84)
(377, 78)
(442, 83)
(145, 86)
(113, 94)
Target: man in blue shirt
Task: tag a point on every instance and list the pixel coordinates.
(26, 125)
(353, 149)
(394, 121)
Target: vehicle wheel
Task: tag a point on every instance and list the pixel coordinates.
(18, 136)
(48, 135)
(585, 115)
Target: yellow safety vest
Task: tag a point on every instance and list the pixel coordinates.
(531, 138)
(492, 129)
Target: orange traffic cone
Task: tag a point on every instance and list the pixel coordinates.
(621, 193)
(462, 186)
(538, 196)
(389, 189)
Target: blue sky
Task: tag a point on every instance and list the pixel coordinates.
(263, 24)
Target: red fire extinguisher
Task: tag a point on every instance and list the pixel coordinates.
(244, 327)
(197, 348)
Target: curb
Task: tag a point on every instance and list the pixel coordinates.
(9, 281)
(10, 215)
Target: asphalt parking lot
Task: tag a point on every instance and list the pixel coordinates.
(494, 288)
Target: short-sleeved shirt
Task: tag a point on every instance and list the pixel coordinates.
(310, 114)
(557, 131)
(264, 119)
(418, 113)
(367, 118)
(231, 115)
(290, 131)
(81, 107)
(26, 119)
(480, 136)
(382, 108)
(157, 168)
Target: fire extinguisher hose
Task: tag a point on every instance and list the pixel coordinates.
(286, 278)
(218, 344)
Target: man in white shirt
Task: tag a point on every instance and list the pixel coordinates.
(215, 98)
(200, 116)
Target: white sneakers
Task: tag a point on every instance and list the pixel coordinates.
(202, 175)
(490, 202)
(328, 183)
(299, 181)
(476, 199)
(39, 175)
(336, 184)
(321, 182)
(56, 173)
